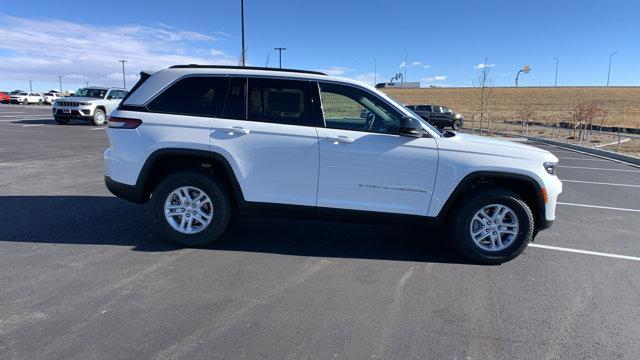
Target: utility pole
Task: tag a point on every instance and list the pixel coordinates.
(404, 78)
(375, 71)
(609, 73)
(124, 77)
(555, 83)
(60, 82)
(244, 56)
(30, 87)
(86, 82)
(280, 54)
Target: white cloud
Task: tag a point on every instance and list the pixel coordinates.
(335, 70)
(367, 78)
(91, 52)
(416, 63)
(483, 65)
(426, 66)
(435, 78)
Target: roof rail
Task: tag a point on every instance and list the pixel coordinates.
(197, 66)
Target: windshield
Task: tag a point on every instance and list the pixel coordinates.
(91, 93)
(23, 94)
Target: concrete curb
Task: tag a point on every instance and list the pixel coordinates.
(627, 159)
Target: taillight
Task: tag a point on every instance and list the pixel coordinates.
(123, 123)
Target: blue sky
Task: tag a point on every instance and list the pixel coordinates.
(443, 40)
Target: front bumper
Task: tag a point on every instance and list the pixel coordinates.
(71, 113)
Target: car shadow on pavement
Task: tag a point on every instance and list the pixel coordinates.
(45, 121)
(97, 220)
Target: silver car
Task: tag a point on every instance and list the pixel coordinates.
(90, 104)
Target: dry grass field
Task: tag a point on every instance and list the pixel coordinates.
(553, 105)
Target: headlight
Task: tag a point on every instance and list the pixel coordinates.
(550, 167)
(458, 116)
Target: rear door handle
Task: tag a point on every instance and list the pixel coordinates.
(340, 139)
(236, 130)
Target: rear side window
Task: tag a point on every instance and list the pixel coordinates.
(198, 96)
(279, 101)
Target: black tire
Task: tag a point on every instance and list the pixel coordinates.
(456, 125)
(221, 208)
(99, 117)
(61, 120)
(462, 219)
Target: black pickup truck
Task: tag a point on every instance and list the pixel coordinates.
(438, 116)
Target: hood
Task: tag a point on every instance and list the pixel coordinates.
(78, 98)
(492, 146)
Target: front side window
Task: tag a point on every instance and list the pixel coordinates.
(437, 110)
(350, 108)
(279, 101)
(197, 96)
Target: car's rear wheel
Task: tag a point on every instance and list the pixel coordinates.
(493, 226)
(191, 208)
(61, 120)
(99, 117)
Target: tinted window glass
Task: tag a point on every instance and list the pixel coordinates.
(235, 107)
(121, 94)
(200, 96)
(437, 110)
(279, 101)
(424, 108)
(350, 108)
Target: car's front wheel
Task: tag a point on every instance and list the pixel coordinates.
(99, 117)
(61, 120)
(493, 226)
(191, 208)
(456, 124)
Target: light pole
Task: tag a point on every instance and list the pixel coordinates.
(86, 82)
(555, 83)
(405, 70)
(124, 78)
(30, 87)
(609, 73)
(244, 57)
(280, 54)
(525, 70)
(60, 82)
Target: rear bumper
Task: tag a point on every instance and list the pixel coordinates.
(131, 193)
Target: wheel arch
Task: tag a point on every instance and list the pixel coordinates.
(527, 187)
(166, 160)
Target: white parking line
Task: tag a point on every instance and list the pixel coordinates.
(587, 252)
(100, 128)
(599, 183)
(574, 158)
(32, 125)
(598, 207)
(595, 168)
(23, 115)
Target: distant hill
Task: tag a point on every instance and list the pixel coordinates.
(550, 103)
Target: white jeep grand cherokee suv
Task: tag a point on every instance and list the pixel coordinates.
(201, 140)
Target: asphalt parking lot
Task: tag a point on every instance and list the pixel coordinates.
(83, 275)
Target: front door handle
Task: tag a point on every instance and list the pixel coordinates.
(235, 130)
(340, 139)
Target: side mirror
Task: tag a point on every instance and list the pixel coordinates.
(408, 127)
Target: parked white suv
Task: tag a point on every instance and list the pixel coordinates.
(26, 98)
(92, 103)
(201, 140)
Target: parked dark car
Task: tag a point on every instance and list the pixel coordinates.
(438, 116)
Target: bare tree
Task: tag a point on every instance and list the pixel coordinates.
(484, 84)
(527, 114)
(583, 114)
